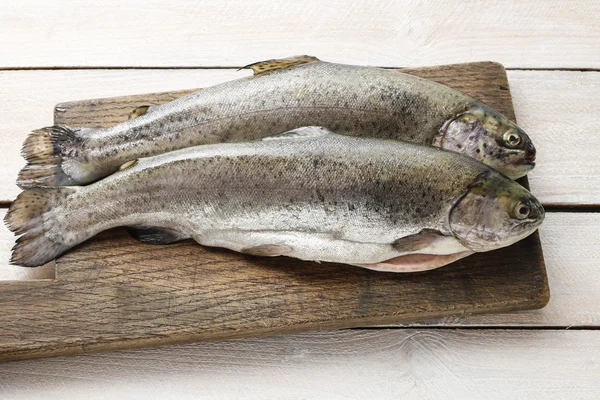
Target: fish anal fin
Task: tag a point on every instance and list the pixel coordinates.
(416, 262)
(417, 241)
(155, 235)
(279, 63)
(138, 112)
(302, 132)
(268, 250)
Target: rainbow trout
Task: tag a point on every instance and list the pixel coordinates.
(309, 193)
(283, 95)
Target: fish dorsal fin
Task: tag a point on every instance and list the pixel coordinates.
(279, 63)
(303, 132)
(139, 111)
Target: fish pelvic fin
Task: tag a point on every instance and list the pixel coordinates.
(155, 235)
(268, 250)
(43, 150)
(262, 67)
(32, 215)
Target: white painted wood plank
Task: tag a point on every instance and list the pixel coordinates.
(571, 246)
(374, 364)
(559, 109)
(518, 33)
(561, 113)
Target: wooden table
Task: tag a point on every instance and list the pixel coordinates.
(59, 50)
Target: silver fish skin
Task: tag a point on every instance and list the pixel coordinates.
(350, 100)
(309, 194)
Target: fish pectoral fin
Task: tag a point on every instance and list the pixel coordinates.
(416, 262)
(417, 241)
(138, 112)
(155, 235)
(279, 63)
(302, 132)
(268, 250)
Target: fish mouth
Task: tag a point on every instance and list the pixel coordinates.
(523, 230)
(528, 164)
(521, 169)
(527, 158)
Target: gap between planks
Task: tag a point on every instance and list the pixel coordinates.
(199, 67)
(482, 327)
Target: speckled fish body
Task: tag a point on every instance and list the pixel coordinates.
(351, 100)
(321, 197)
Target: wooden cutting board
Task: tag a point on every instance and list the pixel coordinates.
(113, 292)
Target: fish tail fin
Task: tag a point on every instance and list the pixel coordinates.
(33, 216)
(44, 151)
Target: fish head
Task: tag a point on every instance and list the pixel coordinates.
(484, 134)
(494, 212)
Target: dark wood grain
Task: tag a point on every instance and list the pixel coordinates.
(114, 293)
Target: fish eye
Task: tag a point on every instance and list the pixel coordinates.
(522, 210)
(511, 138)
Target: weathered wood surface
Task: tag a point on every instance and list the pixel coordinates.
(367, 364)
(517, 33)
(113, 292)
(559, 110)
